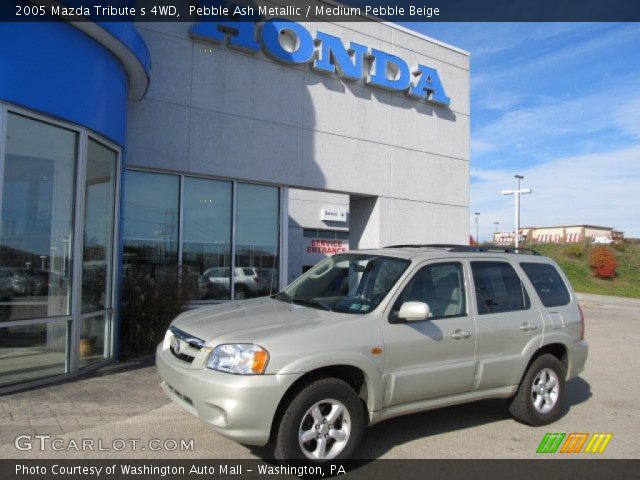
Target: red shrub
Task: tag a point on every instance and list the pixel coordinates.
(603, 262)
(472, 241)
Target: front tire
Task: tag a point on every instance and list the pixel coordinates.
(324, 422)
(541, 392)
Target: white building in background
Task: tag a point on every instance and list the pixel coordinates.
(561, 234)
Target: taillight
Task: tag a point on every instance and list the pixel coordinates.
(581, 322)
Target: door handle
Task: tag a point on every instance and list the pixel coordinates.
(460, 334)
(526, 327)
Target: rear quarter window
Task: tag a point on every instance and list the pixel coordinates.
(548, 284)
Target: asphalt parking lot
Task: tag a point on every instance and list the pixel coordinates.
(125, 402)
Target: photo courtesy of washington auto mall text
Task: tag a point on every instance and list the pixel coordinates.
(360, 239)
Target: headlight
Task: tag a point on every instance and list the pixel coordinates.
(241, 358)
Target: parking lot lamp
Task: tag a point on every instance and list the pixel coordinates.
(517, 192)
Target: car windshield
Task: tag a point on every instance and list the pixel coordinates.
(348, 283)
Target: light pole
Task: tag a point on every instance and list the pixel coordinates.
(517, 192)
(477, 214)
(495, 230)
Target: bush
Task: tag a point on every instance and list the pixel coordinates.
(575, 250)
(603, 262)
(149, 304)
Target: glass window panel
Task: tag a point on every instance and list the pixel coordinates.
(548, 284)
(342, 235)
(94, 339)
(206, 239)
(151, 223)
(36, 219)
(498, 288)
(28, 352)
(257, 233)
(97, 252)
(441, 286)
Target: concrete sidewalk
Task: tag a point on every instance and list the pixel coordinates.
(114, 393)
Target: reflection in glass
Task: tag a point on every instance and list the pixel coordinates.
(98, 228)
(206, 237)
(32, 351)
(151, 225)
(94, 336)
(36, 219)
(257, 232)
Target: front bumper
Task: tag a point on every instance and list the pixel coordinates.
(239, 407)
(577, 358)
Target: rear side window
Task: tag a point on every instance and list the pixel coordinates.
(498, 288)
(548, 283)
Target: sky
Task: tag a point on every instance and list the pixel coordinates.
(560, 104)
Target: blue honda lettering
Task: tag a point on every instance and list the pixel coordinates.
(334, 57)
(429, 86)
(289, 42)
(241, 34)
(302, 41)
(382, 63)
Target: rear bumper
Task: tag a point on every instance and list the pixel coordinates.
(577, 358)
(239, 407)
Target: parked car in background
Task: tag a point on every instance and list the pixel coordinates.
(245, 281)
(21, 281)
(373, 334)
(604, 240)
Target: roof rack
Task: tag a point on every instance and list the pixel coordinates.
(468, 248)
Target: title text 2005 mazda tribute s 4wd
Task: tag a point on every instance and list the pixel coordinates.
(372, 334)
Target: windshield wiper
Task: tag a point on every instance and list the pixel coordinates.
(283, 297)
(310, 302)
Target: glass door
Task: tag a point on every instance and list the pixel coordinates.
(37, 184)
(97, 284)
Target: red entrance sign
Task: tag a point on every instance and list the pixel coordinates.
(327, 247)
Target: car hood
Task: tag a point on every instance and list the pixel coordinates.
(249, 321)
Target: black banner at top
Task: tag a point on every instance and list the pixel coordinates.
(322, 10)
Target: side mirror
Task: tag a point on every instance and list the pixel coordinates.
(414, 311)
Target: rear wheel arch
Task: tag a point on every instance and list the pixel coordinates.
(557, 349)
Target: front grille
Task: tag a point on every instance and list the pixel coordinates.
(182, 356)
(183, 337)
(192, 341)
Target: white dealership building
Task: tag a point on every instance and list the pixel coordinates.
(237, 155)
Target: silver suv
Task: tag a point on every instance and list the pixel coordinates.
(373, 334)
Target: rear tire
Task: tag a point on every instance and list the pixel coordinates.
(540, 393)
(324, 422)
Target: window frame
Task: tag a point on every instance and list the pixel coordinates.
(282, 247)
(75, 317)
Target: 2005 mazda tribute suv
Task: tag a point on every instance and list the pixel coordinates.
(372, 334)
